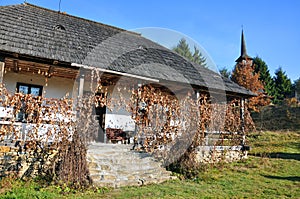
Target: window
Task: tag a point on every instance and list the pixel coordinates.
(34, 90)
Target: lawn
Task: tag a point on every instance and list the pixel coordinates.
(272, 170)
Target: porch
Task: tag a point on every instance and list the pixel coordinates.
(119, 113)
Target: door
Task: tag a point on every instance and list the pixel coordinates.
(100, 112)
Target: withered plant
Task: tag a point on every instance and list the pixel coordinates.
(169, 126)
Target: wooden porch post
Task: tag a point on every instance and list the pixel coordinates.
(80, 87)
(137, 106)
(2, 65)
(197, 94)
(242, 117)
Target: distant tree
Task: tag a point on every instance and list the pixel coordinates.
(261, 68)
(283, 85)
(297, 86)
(225, 72)
(198, 57)
(184, 50)
(244, 75)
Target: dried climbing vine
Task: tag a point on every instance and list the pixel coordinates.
(163, 119)
(164, 122)
(52, 144)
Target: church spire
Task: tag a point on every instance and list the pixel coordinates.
(244, 55)
(243, 47)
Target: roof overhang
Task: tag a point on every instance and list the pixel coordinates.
(115, 72)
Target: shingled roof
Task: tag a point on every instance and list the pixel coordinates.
(38, 32)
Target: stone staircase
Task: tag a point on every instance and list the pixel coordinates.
(115, 165)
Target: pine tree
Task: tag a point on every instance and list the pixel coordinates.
(261, 68)
(225, 72)
(184, 50)
(297, 88)
(283, 85)
(198, 58)
(244, 75)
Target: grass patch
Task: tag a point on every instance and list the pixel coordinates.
(274, 142)
(256, 177)
(271, 171)
(14, 188)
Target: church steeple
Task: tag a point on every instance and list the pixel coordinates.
(244, 55)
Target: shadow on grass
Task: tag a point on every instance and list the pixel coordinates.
(290, 178)
(290, 156)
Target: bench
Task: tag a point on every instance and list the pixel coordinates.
(116, 135)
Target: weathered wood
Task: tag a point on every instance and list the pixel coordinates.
(197, 94)
(50, 71)
(80, 87)
(242, 115)
(47, 70)
(2, 65)
(16, 66)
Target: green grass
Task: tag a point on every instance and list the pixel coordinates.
(271, 171)
(274, 142)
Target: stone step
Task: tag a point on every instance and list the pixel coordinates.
(124, 166)
(132, 163)
(129, 155)
(124, 172)
(119, 177)
(131, 182)
(117, 165)
(121, 158)
(116, 184)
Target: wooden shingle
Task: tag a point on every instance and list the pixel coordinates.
(38, 32)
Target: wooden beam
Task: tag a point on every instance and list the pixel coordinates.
(16, 55)
(50, 71)
(23, 66)
(16, 66)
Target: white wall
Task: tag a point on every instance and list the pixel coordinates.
(118, 121)
(57, 87)
(120, 118)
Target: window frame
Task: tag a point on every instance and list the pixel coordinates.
(29, 87)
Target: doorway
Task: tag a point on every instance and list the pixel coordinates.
(100, 115)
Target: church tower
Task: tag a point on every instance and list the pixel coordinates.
(244, 57)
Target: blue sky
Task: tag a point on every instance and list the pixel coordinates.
(271, 27)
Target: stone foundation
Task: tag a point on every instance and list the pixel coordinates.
(214, 154)
(14, 162)
(109, 164)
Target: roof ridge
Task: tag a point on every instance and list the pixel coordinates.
(80, 18)
(12, 5)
